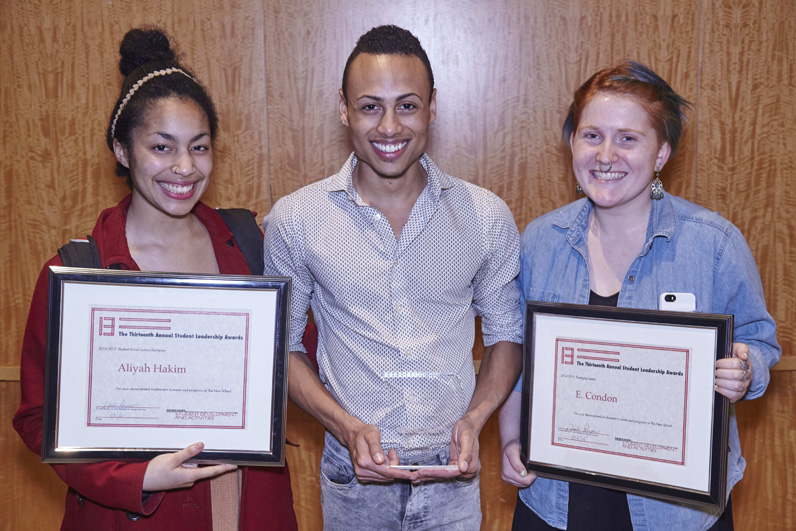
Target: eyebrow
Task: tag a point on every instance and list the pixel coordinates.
(170, 137)
(622, 130)
(380, 99)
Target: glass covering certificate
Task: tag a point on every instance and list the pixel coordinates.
(168, 368)
(597, 409)
(625, 399)
(144, 363)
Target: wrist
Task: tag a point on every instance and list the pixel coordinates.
(475, 420)
(347, 427)
(510, 442)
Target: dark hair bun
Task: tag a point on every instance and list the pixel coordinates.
(140, 46)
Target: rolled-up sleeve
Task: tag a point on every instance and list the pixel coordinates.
(739, 291)
(495, 295)
(283, 256)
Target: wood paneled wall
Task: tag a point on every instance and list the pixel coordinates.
(505, 72)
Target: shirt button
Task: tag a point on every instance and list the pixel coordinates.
(631, 278)
(399, 308)
(377, 217)
(407, 352)
(411, 397)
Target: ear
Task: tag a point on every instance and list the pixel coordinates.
(663, 156)
(432, 106)
(343, 108)
(571, 140)
(120, 153)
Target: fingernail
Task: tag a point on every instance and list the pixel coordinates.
(524, 473)
(199, 447)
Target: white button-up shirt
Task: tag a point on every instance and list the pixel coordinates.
(396, 317)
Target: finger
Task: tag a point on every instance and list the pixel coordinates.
(369, 471)
(454, 450)
(738, 386)
(731, 374)
(392, 456)
(514, 472)
(733, 363)
(740, 350)
(397, 473)
(180, 458)
(375, 451)
(510, 476)
(516, 464)
(465, 452)
(204, 472)
(425, 475)
(733, 394)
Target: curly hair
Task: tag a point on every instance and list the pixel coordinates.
(152, 71)
(388, 40)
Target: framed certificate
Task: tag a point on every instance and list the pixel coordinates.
(139, 364)
(625, 399)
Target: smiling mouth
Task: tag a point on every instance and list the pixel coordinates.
(389, 148)
(608, 175)
(178, 189)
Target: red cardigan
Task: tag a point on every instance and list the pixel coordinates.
(107, 495)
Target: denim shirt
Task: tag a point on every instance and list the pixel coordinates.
(687, 249)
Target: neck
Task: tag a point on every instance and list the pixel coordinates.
(390, 192)
(630, 219)
(392, 196)
(145, 222)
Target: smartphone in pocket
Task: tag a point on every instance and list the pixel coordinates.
(677, 302)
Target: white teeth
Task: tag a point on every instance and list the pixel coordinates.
(608, 176)
(389, 148)
(176, 188)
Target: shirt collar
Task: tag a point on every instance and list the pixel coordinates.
(343, 181)
(574, 217)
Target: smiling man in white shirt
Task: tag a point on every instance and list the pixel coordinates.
(396, 259)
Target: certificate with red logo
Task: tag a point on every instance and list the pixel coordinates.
(168, 367)
(625, 399)
(141, 363)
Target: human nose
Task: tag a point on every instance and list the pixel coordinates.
(607, 153)
(183, 165)
(389, 125)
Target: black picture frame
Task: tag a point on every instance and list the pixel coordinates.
(265, 318)
(573, 317)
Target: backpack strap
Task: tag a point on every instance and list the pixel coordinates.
(81, 253)
(244, 228)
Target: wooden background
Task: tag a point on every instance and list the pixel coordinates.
(505, 73)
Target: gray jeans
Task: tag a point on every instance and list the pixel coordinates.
(451, 504)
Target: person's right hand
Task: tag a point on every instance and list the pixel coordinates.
(166, 471)
(513, 471)
(370, 463)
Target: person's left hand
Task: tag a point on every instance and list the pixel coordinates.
(463, 453)
(734, 375)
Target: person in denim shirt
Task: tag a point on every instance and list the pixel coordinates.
(624, 244)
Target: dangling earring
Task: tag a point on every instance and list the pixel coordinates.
(656, 190)
(578, 189)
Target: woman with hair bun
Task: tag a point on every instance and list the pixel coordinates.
(625, 244)
(161, 132)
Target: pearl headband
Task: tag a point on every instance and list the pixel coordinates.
(137, 86)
